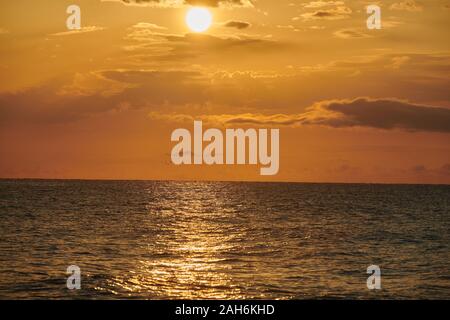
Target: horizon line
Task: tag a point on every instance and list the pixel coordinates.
(228, 181)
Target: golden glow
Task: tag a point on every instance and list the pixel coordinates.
(153, 77)
(199, 19)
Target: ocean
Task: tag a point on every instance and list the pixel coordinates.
(222, 240)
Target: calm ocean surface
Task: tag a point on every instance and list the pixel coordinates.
(170, 240)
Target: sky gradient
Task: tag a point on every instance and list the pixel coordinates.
(352, 104)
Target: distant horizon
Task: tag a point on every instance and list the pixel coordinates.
(236, 181)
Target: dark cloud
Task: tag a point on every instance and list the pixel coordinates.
(237, 24)
(361, 112)
(207, 3)
(58, 102)
(109, 90)
(43, 105)
(382, 114)
(338, 12)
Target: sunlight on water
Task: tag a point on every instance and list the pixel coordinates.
(183, 240)
(193, 267)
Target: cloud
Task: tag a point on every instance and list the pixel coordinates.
(237, 24)
(361, 112)
(230, 119)
(321, 4)
(445, 169)
(3, 31)
(288, 27)
(422, 170)
(215, 42)
(179, 3)
(149, 78)
(99, 93)
(337, 13)
(79, 31)
(379, 113)
(149, 26)
(41, 105)
(150, 47)
(422, 78)
(406, 5)
(351, 34)
(154, 35)
(177, 48)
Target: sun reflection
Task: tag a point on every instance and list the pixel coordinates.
(191, 262)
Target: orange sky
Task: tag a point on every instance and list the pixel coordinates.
(352, 104)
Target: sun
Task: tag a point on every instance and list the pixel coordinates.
(198, 19)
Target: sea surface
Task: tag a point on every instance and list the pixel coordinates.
(223, 240)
